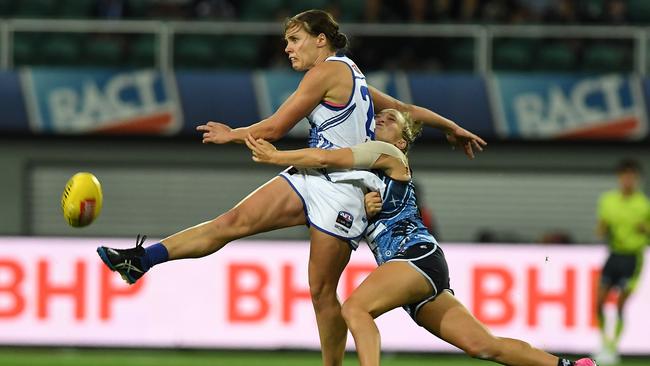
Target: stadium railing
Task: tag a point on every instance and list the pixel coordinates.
(483, 36)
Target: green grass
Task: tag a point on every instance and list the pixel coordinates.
(106, 357)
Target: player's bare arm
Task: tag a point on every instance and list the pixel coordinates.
(312, 89)
(456, 135)
(345, 158)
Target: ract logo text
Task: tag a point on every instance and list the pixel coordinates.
(604, 107)
(139, 102)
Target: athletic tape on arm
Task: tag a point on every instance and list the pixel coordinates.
(366, 154)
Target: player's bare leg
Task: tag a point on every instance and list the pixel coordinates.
(448, 319)
(272, 206)
(389, 286)
(328, 256)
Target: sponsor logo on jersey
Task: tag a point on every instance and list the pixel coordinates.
(101, 101)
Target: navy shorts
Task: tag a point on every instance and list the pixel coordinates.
(428, 259)
(620, 271)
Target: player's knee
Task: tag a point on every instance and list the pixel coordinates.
(232, 224)
(481, 348)
(351, 311)
(322, 292)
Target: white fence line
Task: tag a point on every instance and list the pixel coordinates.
(483, 35)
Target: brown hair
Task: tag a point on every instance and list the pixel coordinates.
(316, 22)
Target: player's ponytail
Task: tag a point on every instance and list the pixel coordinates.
(316, 22)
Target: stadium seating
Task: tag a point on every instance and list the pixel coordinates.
(34, 8)
(461, 55)
(142, 51)
(58, 49)
(639, 10)
(192, 51)
(261, 9)
(102, 50)
(76, 9)
(513, 55)
(599, 58)
(555, 57)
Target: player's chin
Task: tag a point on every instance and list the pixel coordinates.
(296, 66)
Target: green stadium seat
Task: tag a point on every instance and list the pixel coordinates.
(602, 58)
(351, 11)
(513, 55)
(260, 10)
(139, 8)
(34, 8)
(103, 50)
(461, 55)
(5, 8)
(639, 11)
(76, 9)
(192, 51)
(60, 50)
(24, 47)
(555, 57)
(297, 6)
(239, 51)
(143, 51)
(591, 9)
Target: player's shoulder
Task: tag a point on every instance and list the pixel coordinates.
(609, 197)
(611, 194)
(325, 71)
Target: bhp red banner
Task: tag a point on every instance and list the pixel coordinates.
(254, 294)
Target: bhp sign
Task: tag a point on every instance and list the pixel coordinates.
(255, 295)
(548, 106)
(101, 101)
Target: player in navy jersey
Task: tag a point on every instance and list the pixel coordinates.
(340, 106)
(412, 270)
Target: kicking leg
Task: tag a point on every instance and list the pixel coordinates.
(272, 206)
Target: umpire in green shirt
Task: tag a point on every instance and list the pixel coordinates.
(624, 223)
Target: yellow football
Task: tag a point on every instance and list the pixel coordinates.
(81, 201)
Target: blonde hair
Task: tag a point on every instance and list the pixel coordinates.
(411, 129)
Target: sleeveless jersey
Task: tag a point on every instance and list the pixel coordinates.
(337, 126)
(399, 224)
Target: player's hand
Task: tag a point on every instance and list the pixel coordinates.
(215, 132)
(373, 203)
(466, 140)
(263, 151)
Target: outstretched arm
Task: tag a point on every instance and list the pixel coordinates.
(456, 135)
(309, 93)
(264, 152)
(369, 155)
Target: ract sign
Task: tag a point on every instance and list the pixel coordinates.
(548, 106)
(75, 102)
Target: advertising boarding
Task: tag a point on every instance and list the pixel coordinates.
(101, 102)
(541, 107)
(255, 294)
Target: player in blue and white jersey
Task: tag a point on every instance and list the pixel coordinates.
(340, 106)
(412, 268)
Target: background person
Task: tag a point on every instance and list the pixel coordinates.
(624, 223)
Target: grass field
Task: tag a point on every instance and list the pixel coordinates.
(106, 357)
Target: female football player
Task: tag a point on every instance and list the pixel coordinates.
(334, 95)
(412, 268)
